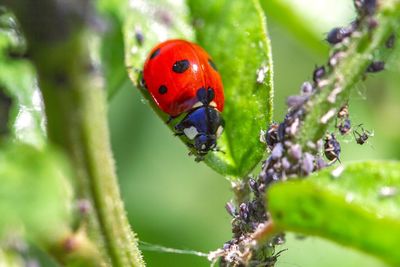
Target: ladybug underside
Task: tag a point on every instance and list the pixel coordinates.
(182, 79)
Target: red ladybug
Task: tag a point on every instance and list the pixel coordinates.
(182, 79)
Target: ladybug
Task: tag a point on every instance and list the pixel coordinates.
(182, 79)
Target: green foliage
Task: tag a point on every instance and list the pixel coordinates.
(356, 206)
(35, 198)
(238, 55)
(294, 22)
(18, 79)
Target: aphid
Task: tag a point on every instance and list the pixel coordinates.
(230, 208)
(306, 88)
(366, 7)
(337, 35)
(318, 73)
(307, 164)
(344, 126)
(295, 152)
(254, 186)
(272, 135)
(244, 212)
(362, 137)
(343, 112)
(277, 151)
(376, 66)
(343, 123)
(182, 79)
(139, 36)
(332, 148)
(295, 101)
(319, 163)
(390, 41)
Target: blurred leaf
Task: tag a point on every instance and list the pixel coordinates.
(11, 259)
(112, 45)
(358, 206)
(18, 79)
(304, 19)
(286, 14)
(154, 21)
(235, 35)
(35, 197)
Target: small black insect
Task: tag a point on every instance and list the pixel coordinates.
(295, 101)
(362, 137)
(343, 112)
(231, 209)
(366, 7)
(338, 34)
(344, 126)
(271, 136)
(306, 88)
(332, 148)
(139, 37)
(318, 73)
(376, 66)
(391, 41)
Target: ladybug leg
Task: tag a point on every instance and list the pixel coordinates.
(217, 149)
(171, 118)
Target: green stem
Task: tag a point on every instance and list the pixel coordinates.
(350, 70)
(75, 104)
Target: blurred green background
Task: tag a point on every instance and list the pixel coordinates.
(175, 202)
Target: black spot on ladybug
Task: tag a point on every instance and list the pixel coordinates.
(212, 64)
(155, 53)
(181, 66)
(162, 89)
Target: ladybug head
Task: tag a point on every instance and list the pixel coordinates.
(202, 126)
(204, 143)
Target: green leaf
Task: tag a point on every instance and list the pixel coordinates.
(156, 21)
(356, 206)
(112, 46)
(235, 35)
(18, 80)
(35, 197)
(11, 258)
(288, 16)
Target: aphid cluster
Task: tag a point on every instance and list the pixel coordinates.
(288, 158)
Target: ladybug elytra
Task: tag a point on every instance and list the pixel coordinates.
(182, 79)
